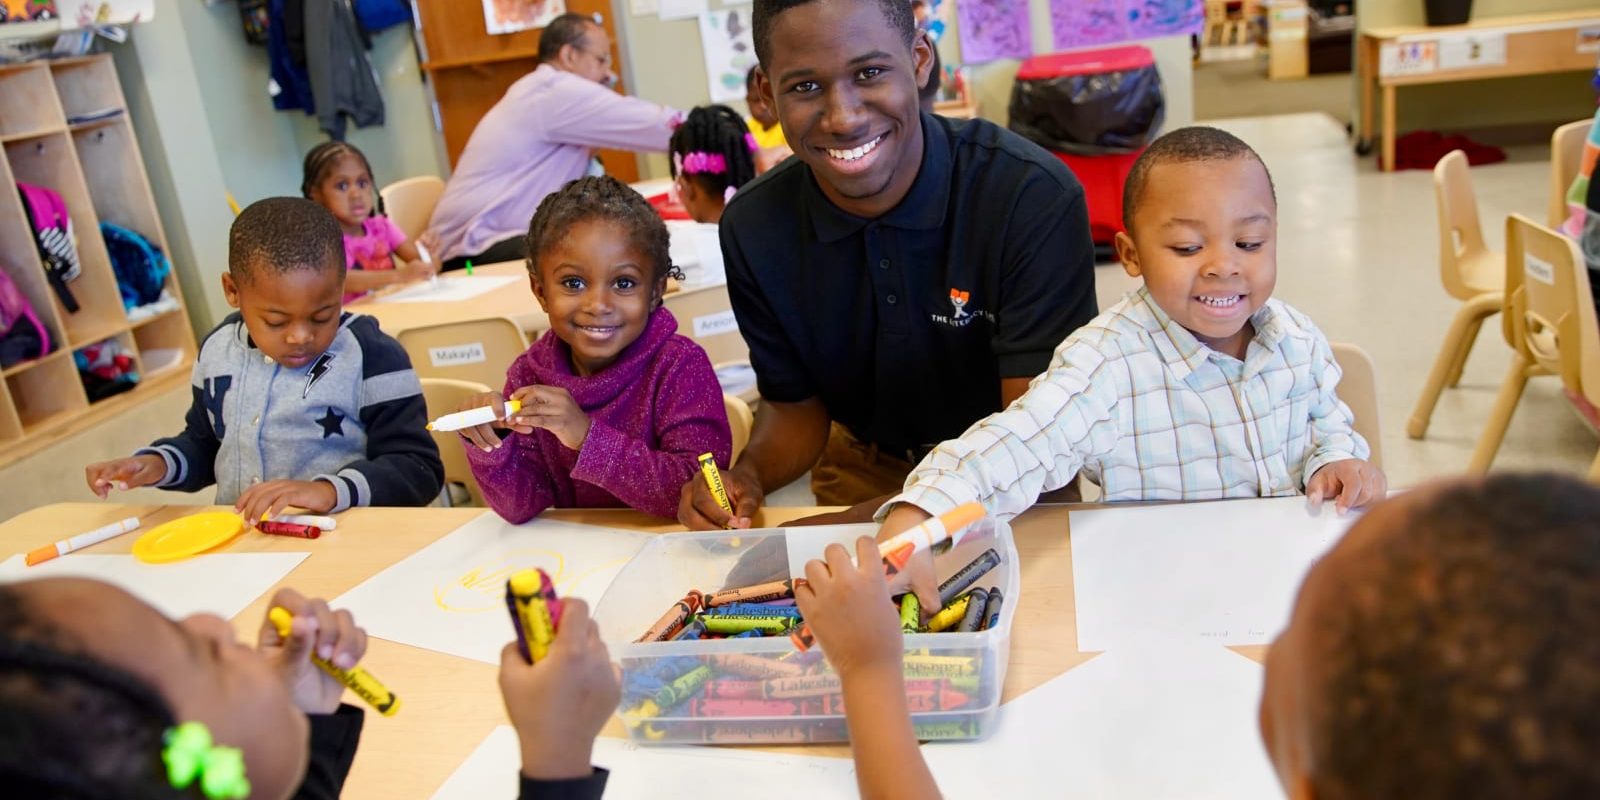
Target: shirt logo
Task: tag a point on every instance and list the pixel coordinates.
(959, 299)
(318, 369)
(964, 314)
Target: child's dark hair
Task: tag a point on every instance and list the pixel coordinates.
(283, 234)
(765, 13)
(605, 198)
(713, 148)
(71, 726)
(1463, 659)
(1182, 146)
(324, 157)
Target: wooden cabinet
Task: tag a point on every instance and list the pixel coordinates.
(96, 168)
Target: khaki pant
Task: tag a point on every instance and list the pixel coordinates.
(852, 471)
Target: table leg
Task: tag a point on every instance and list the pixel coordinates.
(1366, 75)
(1388, 129)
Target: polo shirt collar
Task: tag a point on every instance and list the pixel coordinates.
(1183, 353)
(923, 208)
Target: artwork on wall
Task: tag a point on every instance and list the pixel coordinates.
(992, 29)
(729, 50)
(26, 10)
(510, 16)
(1089, 23)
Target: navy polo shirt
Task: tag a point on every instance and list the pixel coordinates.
(904, 325)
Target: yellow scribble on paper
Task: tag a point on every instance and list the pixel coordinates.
(482, 588)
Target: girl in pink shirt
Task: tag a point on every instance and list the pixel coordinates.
(338, 178)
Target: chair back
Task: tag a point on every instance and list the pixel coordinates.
(478, 350)
(1460, 232)
(706, 316)
(1549, 306)
(1358, 388)
(444, 396)
(1566, 158)
(409, 203)
(740, 420)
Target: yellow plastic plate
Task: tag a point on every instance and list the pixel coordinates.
(188, 536)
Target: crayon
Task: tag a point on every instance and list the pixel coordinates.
(753, 633)
(782, 602)
(759, 593)
(694, 630)
(708, 707)
(753, 610)
(731, 689)
(289, 529)
(951, 615)
(939, 700)
(910, 613)
(680, 612)
(759, 733)
(802, 686)
(991, 612)
(757, 667)
(681, 688)
(729, 624)
(536, 627)
(968, 684)
(644, 711)
(953, 729)
(547, 590)
(977, 603)
(967, 575)
(713, 479)
(939, 666)
(357, 679)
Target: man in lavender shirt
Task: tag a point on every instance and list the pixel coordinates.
(541, 135)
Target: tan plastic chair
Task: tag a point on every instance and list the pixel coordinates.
(409, 203)
(478, 350)
(1359, 390)
(1471, 273)
(710, 306)
(1550, 322)
(444, 396)
(740, 420)
(1566, 155)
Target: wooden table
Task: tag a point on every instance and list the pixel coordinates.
(1531, 44)
(452, 703)
(514, 300)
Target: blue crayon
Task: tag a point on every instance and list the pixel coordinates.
(749, 634)
(694, 630)
(991, 612)
(752, 609)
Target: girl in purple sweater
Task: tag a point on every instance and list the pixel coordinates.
(616, 406)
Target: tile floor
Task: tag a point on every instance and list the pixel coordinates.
(1357, 251)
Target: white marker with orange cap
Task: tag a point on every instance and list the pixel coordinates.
(81, 541)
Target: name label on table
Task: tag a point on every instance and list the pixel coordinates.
(715, 324)
(1408, 58)
(457, 355)
(1539, 269)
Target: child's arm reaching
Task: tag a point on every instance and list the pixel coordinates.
(186, 462)
(559, 705)
(849, 611)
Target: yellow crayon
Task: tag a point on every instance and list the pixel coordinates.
(359, 680)
(950, 616)
(533, 613)
(708, 470)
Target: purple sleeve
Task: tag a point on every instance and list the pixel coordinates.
(514, 478)
(690, 420)
(599, 117)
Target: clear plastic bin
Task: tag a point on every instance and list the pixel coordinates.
(763, 691)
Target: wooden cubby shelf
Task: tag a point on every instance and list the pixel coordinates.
(96, 167)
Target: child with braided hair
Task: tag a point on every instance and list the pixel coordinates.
(713, 154)
(377, 253)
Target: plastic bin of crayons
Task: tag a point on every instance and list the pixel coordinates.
(758, 689)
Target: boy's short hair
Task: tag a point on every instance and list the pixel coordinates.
(569, 28)
(765, 14)
(1463, 658)
(1182, 146)
(283, 234)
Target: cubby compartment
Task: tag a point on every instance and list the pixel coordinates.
(47, 392)
(10, 423)
(51, 162)
(165, 343)
(115, 177)
(87, 87)
(28, 104)
(108, 368)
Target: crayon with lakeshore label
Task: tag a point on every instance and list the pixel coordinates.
(530, 613)
(357, 679)
(939, 666)
(991, 611)
(713, 478)
(275, 528)
(910, 613)
(951, 615)
(751, 666)
(729, 624)
(753, 610)
(802, 686)
(694, 630)
(977, 603)
(716, 707)
(663, 628)
(759, 593)
(953, 729)
(683, 687)
(939, 700)
(968, 575)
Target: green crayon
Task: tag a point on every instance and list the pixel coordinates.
(964, 729)
(910, 613)
(683, 687)
(939, 666)
(730, 624)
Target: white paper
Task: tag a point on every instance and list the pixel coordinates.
(681, 9)
(450, 595)
(450, 289)
(1466, 51)
(663, 773)
(696, 248)
(1223, 572)
(729, 51)
(1133, 725)
(510, 16)
(806, 542)
(215, 583)
(1589, 40)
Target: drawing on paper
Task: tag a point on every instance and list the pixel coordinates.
(482, 588)
(510, 16)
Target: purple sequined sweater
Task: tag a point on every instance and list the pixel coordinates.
(651, 415)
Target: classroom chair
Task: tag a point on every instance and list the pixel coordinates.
(1550, 323)
(1359, 390)
(1566, 156)
(740, 420)
(478, 350)
(1471, 273)
(409, 203)
(705, 315)
(444, 395)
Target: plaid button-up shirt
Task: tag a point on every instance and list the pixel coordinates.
(1146, 411)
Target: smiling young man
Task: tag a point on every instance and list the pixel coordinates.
(901, 277)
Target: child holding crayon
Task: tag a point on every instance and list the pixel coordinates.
(102, 696)
(615, 407)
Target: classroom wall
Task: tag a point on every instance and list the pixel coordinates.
(1531, 99)
(206, 126)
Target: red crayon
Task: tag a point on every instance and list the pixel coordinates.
(802, 686)
(734, 690)
(941, 700)
(756, 667)
(289, 529)
(741, 708)
(760, 593)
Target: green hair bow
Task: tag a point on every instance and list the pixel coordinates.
(190, 756)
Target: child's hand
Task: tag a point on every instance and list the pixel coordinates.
(274, 496)
(551, 408)
(560, 704)
(918, 576)
(698, 509)
(1354, 482)
(848, 608)
(484, 437)
(330, 635)
(429, 242)
(124, 474)
(414, 271)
